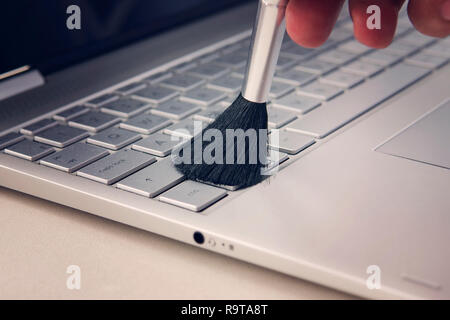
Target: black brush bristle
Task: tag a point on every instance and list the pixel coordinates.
(242, 114)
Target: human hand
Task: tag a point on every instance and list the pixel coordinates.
(310, 22)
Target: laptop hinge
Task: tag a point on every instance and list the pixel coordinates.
(19, 80)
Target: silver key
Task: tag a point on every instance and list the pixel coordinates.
(153, 180)
(342, 79)
(440, 48)
(285, 62)
(116, 166)
(38, 126)
(183, 82)
(60, 136)
(297, 52)
(70, 113)
(10, 139)
(295, 77)
(114, 138)
(158, 144)
(104, 99)
(125, 107)
(323, 121)
(184, 66)
(417, 39)
(158, 77)
(93, 121)
(211, 113)
(289, 142)
(383, 59)
(296, 103)
(427, 60)
(74, 157)
(400, 49)
(208, 70)
(319, 91)
(29, 150)
(337, 56)
(229, 83)
(203, 96)
(316, 66)
(279, 117)
(280, 88)
(146, 123)
(186, 128)
(192, 195)
(362, 68)
(130, 88)
(175, 109)
(155, 94)
(354, 47)
(231, 60)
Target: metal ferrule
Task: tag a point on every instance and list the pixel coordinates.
(268, 32)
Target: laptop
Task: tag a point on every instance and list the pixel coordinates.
(94, 94)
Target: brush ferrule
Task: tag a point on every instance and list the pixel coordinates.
(267, 36)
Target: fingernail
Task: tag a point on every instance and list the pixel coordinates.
(445, 10)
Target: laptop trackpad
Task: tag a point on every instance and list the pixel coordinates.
(427, 140)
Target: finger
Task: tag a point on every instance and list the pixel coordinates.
(431, 17)
(309, 22)
(375, 38)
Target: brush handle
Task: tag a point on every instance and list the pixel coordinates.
(267, 36)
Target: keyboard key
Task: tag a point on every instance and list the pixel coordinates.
(289, 142)
(362, 68)
(152, 180)
(157, 77)
(316, 66)
(10, 139)
(209, 71)
(182, 82)
(74, 157)
(323, 121)
(297, 52)
(192, 195)
(440, 48)
(93, 121)
(342, 79)
(60, 136)
(114, 138)
(295, 77)
(203, 96)
(130, 88)
(229, 83)
(231, 60)
(319, 91)
(104, 99)
(296, 103)
(155, 94)
(208, 57)
(70, 113)
(427, 60)
(158, 144)
(383, 59)
(146, 123)
(125, 107)
(285, 62)
(116, 166)
(186, 128)
(175, 109)
(29, 150)
(355, 47)
(337, 57)
(184, 66)
(417, 39)
(274, 159)
(279, 117)
(38, 126)
(400, 49)
(211, 113)
(280, 88)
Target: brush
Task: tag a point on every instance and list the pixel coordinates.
(232, 151)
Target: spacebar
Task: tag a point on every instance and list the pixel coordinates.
(338, 112)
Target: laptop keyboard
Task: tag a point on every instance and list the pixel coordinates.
(124, 138)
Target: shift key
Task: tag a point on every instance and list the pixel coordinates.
(117, 166)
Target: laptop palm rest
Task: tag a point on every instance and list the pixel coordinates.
(427, 140)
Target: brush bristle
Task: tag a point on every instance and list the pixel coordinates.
(242, 114)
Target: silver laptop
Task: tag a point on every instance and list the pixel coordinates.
(91, 109)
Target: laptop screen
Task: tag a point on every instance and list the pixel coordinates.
(52, 34)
